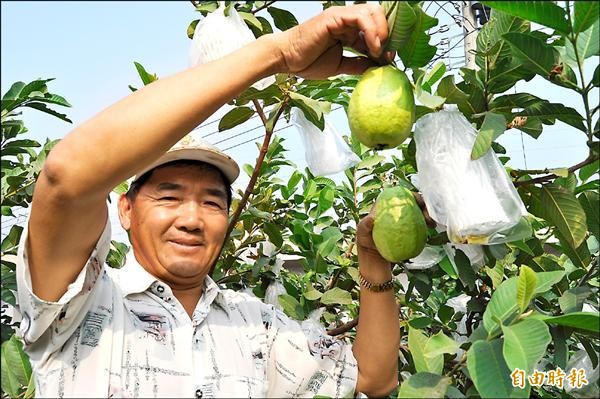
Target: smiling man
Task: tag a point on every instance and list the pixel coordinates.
(160, 326)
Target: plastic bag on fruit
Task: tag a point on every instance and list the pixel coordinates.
(325, 151)
(217, 35)
(474, 200)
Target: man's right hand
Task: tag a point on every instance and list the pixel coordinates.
(314, 48)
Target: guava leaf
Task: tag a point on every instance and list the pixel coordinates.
(416, 50)
(493, 126)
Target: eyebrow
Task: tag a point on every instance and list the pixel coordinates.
(178, 187)
(169, 187)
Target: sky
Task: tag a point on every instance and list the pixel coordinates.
(89, 48)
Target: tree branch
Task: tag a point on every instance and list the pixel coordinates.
(343, 328)
(257, 167)
(551, 176)
(267, 4)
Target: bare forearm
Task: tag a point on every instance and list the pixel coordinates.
(378, 332)
(131, 133)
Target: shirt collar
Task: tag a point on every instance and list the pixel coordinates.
(135, 279)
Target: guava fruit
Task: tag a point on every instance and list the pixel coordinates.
(399, 229)
(381, 111)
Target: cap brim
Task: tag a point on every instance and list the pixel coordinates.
(221, 161)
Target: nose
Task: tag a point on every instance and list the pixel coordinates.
(190, 217)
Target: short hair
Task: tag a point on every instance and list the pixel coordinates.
(135, 187)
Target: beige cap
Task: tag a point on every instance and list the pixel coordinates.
(191, 148)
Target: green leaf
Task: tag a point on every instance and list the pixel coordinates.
(533, 52)
(336, 296)
(273, 231)
(192, 28)
(493, 52)
(401, 22)
(42, 107)
(420, 322)
(493, 126)
(12, 238)
(545, 280)
(560, 207)
(121, 188)
(235, 117)
(543, 12)
(251, 19)
(596, 77)
(439, 344)
(572, 299)
(465, 270)
(424, 385)
(550, 111)
(16, 369)
(416, 50)
(560, 346)
(526, 285)
(525, 344)
(14, 92)
(503, 306)
(311, 293)
(291, 307)
(496, 273)
(294, 180)
(146, 77)
(326, 197)
(584, 321)
(489, 371)
(586, 14)
(587, 45)
(589, 170)
(370, 161)
(417, 342)
(454, 95)
(313, 110)
(590, 202)
(433, 75)
(425, 98)
(283, 19)
(523, 247)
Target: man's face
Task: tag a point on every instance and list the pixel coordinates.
(177, 223)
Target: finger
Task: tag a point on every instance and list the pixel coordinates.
(380, 21)
(361, 18)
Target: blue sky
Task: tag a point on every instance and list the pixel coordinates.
(90, 47)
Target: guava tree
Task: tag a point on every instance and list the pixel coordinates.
(531, 306)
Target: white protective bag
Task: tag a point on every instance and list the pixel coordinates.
(325, 151)
(474, 200)
(217, 35)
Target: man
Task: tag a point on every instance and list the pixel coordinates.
(160, 326)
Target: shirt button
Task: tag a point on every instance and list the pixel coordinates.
(198, 393)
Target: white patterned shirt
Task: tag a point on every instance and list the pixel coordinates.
(122, 333)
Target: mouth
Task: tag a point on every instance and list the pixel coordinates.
(186, 244)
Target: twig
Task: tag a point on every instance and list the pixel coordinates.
(551, 176)
(257, 168)
(267, 4)
(344, 327)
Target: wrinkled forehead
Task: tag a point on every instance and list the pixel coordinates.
(187, 173)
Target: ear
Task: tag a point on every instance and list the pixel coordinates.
(125, 208)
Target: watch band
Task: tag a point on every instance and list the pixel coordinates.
(388, 285)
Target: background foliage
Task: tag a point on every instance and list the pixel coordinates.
(532, 304)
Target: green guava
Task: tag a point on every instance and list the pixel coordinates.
(399, 229)
(381, 111)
